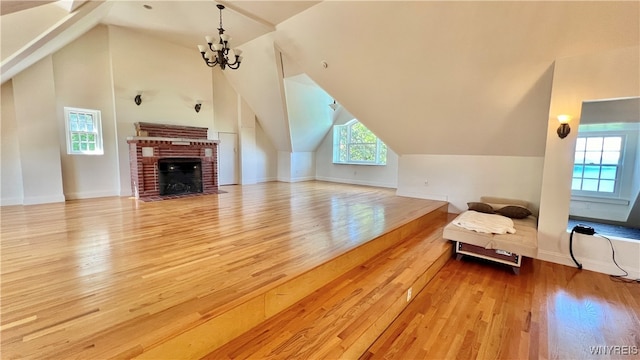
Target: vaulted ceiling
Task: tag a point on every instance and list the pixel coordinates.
(428, 77)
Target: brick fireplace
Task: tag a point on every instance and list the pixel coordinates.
(172, 160)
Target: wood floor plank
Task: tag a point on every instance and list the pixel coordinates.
(115, 277)
(477, 310)
(341, 319)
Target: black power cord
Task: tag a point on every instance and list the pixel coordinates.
(588, 230)
(580, 229)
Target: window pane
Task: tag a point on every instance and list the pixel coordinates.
(83, 146)
(75, 137)
(91, 137)
(75, 146)
(591, 172)
(92, 146)
(608, 172)
(383, 153)
(83, 137)
(577, 171)
(610, 157)
(579, 159)
(73, 122)
(590, 185)
(594, 144)
(362, 153)
(580, 144)
(360, 134)
(90, 126)
(592, 157)
(575, 184)
(607, 186)
(81, 124)
(612, 143)
(353, 142)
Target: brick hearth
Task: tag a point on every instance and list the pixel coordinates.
(161, 141)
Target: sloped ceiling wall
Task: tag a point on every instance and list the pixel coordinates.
(310, 116)
(259, 82)
(428, 77)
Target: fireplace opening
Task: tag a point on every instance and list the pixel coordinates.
(179, 176)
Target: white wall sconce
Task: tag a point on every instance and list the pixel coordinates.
(564, 129)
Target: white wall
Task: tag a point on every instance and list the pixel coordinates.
(370, 175)
(266, 157)
(83, 79)
(225, 103)
(259, 82)
(284, 166)
(11, 189)
(172, 78)
(39, 147)
(310, 116)
(459, 179)
(603, 75)
(248, 164)
(303, 166)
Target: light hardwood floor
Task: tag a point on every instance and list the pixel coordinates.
(476, 310)
(114, 277)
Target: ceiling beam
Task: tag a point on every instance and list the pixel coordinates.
(11, 6)
(248, 15)
(67, 30)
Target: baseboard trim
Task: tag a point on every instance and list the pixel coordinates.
(422, 196)
(35, 200)
(10, 201)
(356, 182)
(90, 195)
(587, 264)
(268, 179)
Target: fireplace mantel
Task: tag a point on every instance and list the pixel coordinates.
(155, 139)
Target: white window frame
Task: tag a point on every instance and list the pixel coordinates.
(619, 166)
(95, 129)
(336, 147)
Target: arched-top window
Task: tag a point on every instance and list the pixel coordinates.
(353, 143)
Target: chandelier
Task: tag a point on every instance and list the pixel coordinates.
(218, 54)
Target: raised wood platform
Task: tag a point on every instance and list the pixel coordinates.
(344, 318)
(117, 278)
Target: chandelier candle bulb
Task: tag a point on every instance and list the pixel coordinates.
(209, 39)
(202, 48)
(225, 37)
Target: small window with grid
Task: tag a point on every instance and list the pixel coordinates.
(84, 131)
(597, 164)
(354, 144)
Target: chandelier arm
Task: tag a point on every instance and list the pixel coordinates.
(220, 56)
(213, 63)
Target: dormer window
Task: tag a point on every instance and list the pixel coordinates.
(354, 144)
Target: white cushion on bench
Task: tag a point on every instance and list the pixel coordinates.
(524, 242)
